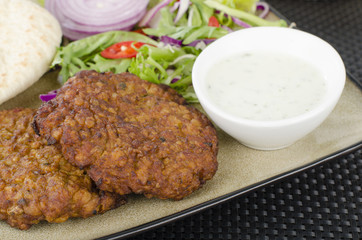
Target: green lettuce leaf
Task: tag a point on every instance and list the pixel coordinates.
(162, 65)
(84, 53)
(250, 18)
(244, 5)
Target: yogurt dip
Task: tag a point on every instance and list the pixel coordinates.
(265, 86)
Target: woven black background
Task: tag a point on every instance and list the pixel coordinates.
(339, 22)
(324, 202)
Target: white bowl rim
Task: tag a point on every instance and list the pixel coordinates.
(269, 123)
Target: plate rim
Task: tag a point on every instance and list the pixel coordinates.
(232, 195)
(228, 197)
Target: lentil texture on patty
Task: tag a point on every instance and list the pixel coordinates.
(130, 135)
(37, 183)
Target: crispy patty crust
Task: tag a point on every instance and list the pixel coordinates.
(37, 183)
(131, 135)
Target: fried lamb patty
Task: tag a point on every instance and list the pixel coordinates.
(130, 135)
(37, 183)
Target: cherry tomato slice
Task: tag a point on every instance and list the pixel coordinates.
(213, 22)
(125, 49)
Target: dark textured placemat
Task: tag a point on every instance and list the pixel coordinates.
(339, 22)
(321, 203)
(324, 202)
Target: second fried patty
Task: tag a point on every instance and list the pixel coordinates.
(37, 183)
(131, 135)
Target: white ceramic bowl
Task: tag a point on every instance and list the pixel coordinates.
(269, 135)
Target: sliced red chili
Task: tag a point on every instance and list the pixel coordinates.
(213, 22)
(127, 49)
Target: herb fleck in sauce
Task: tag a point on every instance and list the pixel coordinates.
(265, 85)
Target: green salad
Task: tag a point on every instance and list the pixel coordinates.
(163, 46)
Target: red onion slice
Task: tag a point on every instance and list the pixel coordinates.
(86, 11)
(227, 28)
(175, 79)
(89, 28)
(184, 5)
(48, 96)
(83, 18)
(264, 7)
(240, 23)
(171, 41)
(152, 12)
(175, 6)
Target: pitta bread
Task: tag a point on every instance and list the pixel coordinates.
(29, 36)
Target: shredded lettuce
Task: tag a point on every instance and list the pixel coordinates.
(167, 65)
(194, 24)
(190, 27)
(250, 18)
(244, 5)
(84, 54)
(161, 63)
